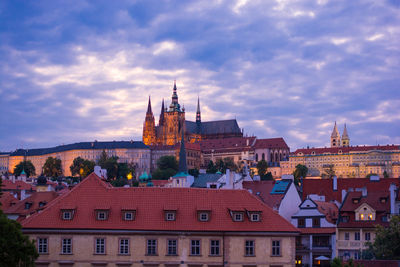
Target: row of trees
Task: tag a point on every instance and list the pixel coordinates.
(80, 167)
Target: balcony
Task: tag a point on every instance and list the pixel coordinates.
(350, 244)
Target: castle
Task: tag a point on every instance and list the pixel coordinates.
(172, 122)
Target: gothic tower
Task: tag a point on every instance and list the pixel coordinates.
(335, 137)
(345, 137)
(174, 120)
(149, 128)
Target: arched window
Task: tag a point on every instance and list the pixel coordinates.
(256, 157)
(263, 156)
(272, 156)
(280, 156)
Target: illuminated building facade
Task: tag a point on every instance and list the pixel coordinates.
(172, 121)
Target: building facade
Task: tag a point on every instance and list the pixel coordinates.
(156, 227)
(172, 122)
(127, 152)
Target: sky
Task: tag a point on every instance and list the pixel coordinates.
(75, 70)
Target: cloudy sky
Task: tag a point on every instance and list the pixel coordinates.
(76, 71)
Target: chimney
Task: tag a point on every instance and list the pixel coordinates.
(343, 194)
(13, 179)
(392, 190)
(364, 191)
(247, 142)
(335, 183)
(228, 179)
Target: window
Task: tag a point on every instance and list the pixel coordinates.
(367, 236)
(129, 215)
(66, 246)
(384, 218)
(357, 236)
(255, 217)
(301, 222)
(171, 247)
(203, 216)
(276, 248)
(195, 247)
(249, 248)
(214, 247)
(100, 246)
(151, 247)
(170, 216)
(67, 215)
(237, 216)
(124, 246)
(316, 222)
(346, 236)
(101, 215)
(42, 245)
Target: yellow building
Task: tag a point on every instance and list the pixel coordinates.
(126, 151)
(160, 227)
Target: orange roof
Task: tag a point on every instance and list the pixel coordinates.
(329, 209)
(7, 200)
(18, 185)
(35, 201)
(322, 230)
(335, 150)
(325, 186)
(150, 203)
(226, 144)
(262, 190)
(271, 143)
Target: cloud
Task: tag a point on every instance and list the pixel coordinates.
(282, 68)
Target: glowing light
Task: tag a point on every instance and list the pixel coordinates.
(129, 176)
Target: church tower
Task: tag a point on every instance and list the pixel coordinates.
(149, 128)
(174, 120)
(335, 137)
(345, 137)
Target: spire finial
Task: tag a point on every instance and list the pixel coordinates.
(149, 111)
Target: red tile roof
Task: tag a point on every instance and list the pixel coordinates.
(35, 199)
(271, 143)
(150, 203)
(7, 200)
(188, 145)
(322, 230)
(18, 185)
(329, 209)
(325, 186)
(373, 199)
(335, 150)
(262, 190)
(232, 144)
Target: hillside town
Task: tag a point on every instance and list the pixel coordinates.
(196, 193)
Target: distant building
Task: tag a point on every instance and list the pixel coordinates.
(172, 122)
(347, 162)
(127, 151)
(153, 226)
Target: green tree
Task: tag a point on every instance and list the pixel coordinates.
(267, 177)
(385, 174)
(110, 164)
(386, 245)
(15, 248)
(119, 182)
(337, 262)
(300, 171)
(329, 171)
(230, 164)
(82, 167)
(211, 168)
(194, 172)
(262, 167)
(26, 166)
(167, 166)
(52, 167)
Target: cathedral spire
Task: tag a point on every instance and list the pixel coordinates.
(162, 119)
(174, 104)
(149, 111)
(198, 114)
(182, 156)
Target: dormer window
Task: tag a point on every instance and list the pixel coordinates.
(355, 200)
(237, 216)
(101, 215)
(28, 205)
(41, 204)
(170, 215)
(67, 214)
(128, 215)
(204, 216)
(255, 216)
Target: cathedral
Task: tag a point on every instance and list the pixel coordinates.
(172, 122)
